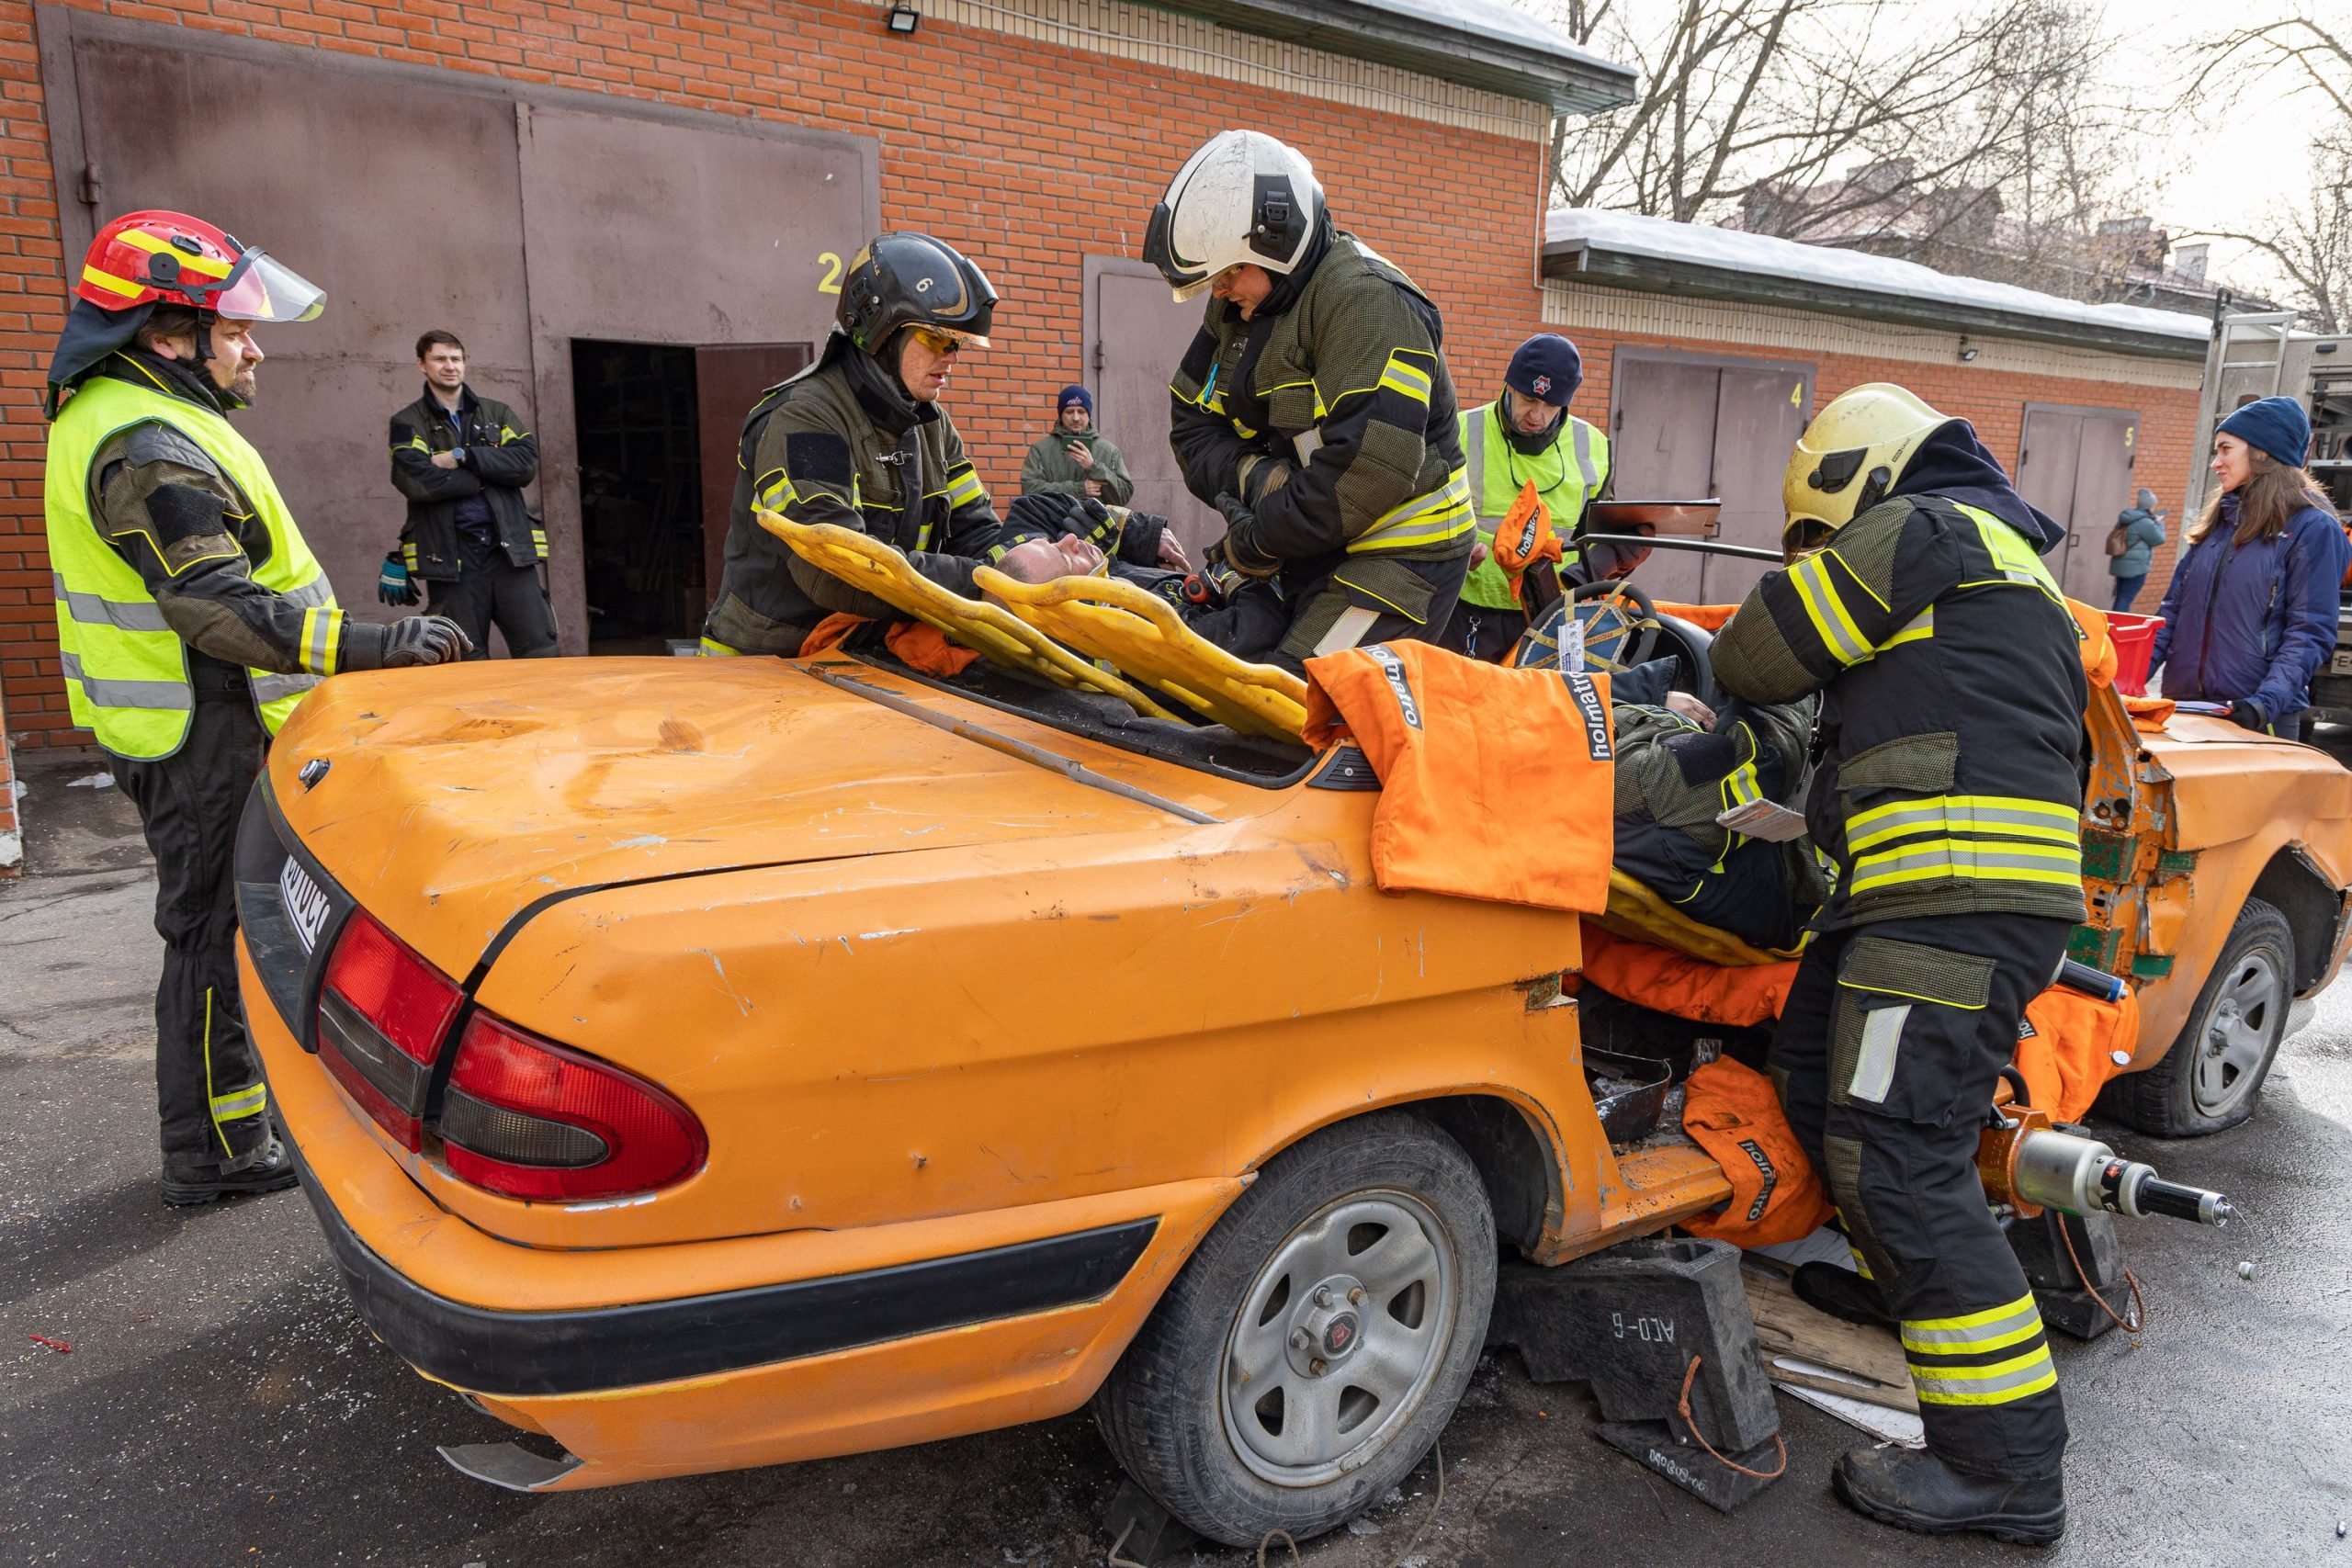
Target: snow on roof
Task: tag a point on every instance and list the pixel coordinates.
(1495, 19)
(1766, 256)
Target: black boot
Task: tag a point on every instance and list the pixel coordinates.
(1842, 1293)
(272, 1171)
(1919, 1491)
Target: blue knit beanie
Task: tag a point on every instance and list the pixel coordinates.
(1075, 395)
(1546, 367)
(2276, 425)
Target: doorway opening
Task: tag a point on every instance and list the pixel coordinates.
(640, 494)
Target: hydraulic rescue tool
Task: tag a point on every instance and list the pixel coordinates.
(2029, 1165)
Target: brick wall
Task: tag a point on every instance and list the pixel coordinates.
(976, 141)
(1994, 401)
(975, 129)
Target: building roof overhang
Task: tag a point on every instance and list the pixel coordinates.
(1474, 43)
(1627, 251)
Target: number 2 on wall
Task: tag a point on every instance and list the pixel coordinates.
(831, 282)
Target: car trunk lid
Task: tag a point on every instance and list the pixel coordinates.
(450, 803)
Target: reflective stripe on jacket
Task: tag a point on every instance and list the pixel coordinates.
(1566, 476)
(1346, 396)
(1950, 731)
(126, 671)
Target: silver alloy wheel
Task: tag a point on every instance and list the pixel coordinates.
(1339, 1338)
(2237, 1034)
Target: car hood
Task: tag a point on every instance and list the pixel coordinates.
(453, 799)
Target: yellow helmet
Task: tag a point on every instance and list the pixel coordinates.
(1850, 456)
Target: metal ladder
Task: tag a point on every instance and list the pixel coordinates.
(2230, 376)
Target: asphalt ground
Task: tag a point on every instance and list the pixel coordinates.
(221, 1405)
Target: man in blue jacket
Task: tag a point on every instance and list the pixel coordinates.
(2251, 613)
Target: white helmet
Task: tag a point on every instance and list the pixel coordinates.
(1244, 197)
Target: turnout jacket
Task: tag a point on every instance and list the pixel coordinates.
(1333, 418)
(501, 457)
(226, 573)
(1949, 752)
(840, 443)
(1047, 470)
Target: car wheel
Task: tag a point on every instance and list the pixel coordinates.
(2211, 1077)
(1318, 1341)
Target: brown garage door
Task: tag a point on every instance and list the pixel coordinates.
(408, 193)
(2076, 463)
(1136, 334)
(1685, 427)
(352, 163)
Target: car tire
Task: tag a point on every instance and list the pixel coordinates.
(2211, 1077)
(1386, 1203)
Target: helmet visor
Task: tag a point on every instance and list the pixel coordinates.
(948, 340)
(1185, 279)
(259, 289)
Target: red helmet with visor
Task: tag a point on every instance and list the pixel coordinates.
(157, 257)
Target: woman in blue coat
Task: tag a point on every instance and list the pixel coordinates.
(2251, 612)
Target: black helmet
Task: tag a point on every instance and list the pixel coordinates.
(905, 279)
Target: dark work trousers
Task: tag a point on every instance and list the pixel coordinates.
(1482, 632)
(207, 1080)
(1315, 614)
(1887, 1055)
(492, 588)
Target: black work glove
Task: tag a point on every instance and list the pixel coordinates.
(419, 639)
(1239, 548)
(2245, 716)
(1260, 476)
(1045, 516)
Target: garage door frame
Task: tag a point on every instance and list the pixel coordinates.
(1624, 356)
(59, 27)
(83, 198)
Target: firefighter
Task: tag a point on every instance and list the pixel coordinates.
(1312, 410)
(1525, 435)
(859, 439)
(1947, 793)
(191, 617)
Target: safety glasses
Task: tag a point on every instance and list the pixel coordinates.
(945, 343)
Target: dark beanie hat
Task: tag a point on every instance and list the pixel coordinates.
(1075, 395)
(2276, 425)
(1547, 367)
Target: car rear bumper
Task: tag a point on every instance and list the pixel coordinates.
(676, 1359)
(594, 1350)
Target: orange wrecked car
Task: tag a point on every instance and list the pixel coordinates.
(713, 1063)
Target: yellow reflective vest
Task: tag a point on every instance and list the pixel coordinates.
(1566, 476)
(126, 670)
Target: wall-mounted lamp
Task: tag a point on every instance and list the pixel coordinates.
(902, 19)
(1967, 353)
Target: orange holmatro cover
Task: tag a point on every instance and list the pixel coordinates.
(1734, 1113)
(1495, 784)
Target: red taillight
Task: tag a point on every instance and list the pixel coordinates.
(408, 1000)
(531, 1119)
(382, 1014)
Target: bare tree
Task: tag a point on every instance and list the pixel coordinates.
(1955, 118)
(2311, 244)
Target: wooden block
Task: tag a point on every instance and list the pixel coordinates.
(1786, 1327)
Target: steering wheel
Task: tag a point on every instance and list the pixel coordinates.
(1635, 630)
